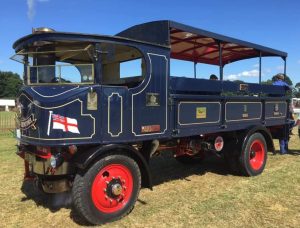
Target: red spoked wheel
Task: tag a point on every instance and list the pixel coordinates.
(112, 188)
(257, 154)
(108, 190)
(254, 155)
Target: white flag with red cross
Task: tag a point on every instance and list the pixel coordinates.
(65, 123)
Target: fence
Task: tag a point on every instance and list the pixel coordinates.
(7, 123)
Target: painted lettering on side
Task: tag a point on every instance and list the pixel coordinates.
(28, 122)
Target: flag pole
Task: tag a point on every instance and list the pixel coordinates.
(49, 122)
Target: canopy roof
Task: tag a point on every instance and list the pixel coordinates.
(185, 42)
(197, 45)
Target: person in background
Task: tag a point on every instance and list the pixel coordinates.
(279, 81)
(283, 143)
(213, 77)
(298, 124)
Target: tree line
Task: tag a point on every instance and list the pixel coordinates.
(10, 84)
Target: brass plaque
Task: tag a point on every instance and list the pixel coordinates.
(92, 100)
(150, 128)
(152, 99)
(201, 112)
(243, 87)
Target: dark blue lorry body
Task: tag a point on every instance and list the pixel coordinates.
(123, 115)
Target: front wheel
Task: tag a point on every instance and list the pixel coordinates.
(108, 190)
(254, 156)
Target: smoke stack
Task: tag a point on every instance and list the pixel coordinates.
(42, 30)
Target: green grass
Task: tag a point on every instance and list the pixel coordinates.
(7, 123)
(193, 196)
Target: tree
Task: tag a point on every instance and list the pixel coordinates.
(10, 84)
(296, 93)
(268, 82)
(239, 81)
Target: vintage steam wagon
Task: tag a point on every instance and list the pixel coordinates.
(94, 109)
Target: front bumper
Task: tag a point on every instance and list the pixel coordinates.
(42, 166)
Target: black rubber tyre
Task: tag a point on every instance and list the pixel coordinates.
(253, 158)
(231, 156)
(99, 205)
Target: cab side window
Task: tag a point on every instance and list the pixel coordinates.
(122, 65)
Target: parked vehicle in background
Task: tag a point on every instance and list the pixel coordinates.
(296, 105)
(7, 104)
(95, 109)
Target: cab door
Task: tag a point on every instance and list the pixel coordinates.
(134, 93)
(149, 102)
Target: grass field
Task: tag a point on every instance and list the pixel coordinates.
(204, 195)
(7, 123)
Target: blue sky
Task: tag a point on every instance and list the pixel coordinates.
(272, 23)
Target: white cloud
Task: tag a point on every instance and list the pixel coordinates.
(250, 73)
(280, 68)
(31, 8)
(298, 61)
(256, 65)
(267, 70)
(232, 77)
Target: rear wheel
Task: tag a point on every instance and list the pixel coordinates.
(254, 156)
(108, 190)
(231, 155)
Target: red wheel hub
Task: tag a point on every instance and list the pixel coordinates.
(257, 154)
(112, 188)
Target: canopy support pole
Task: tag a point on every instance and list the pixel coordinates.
(195, 68)
(284, 59)
(260, 67)
(220, 61)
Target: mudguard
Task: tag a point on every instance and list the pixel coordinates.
(260, 129)
(83, 160)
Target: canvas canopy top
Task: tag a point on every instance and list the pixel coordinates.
(197, 45)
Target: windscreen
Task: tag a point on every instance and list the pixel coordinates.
(61, 64)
